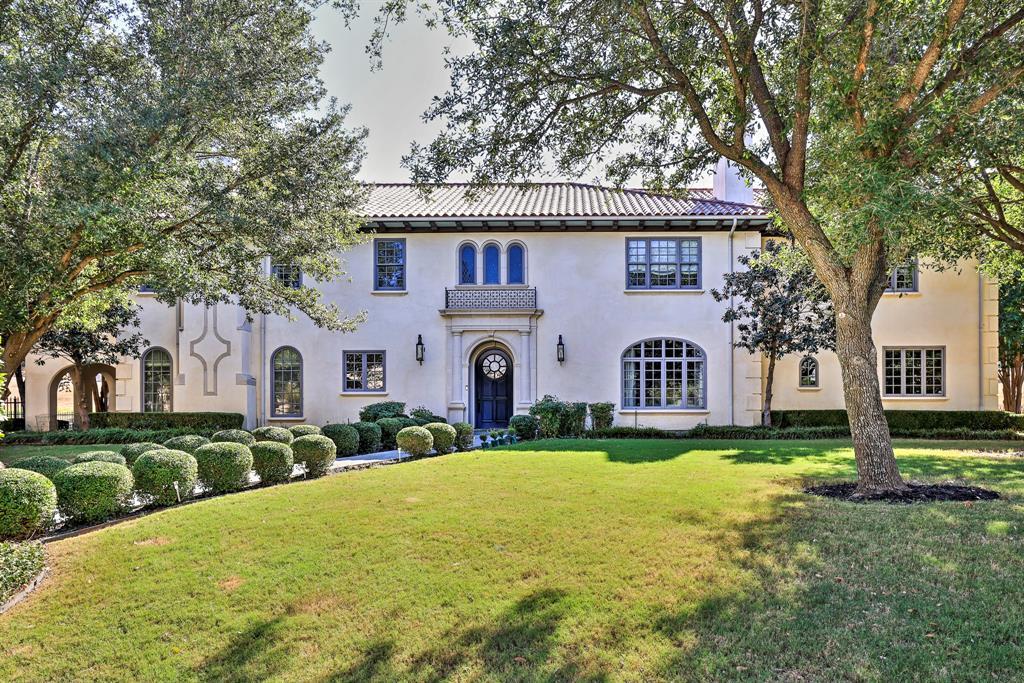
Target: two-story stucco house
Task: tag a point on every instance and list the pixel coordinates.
(479, 305)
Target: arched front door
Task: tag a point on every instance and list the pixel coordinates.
(493, 382)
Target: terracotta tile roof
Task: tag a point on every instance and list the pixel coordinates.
(543, 200)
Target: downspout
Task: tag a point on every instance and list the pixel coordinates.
(732, 349)
(261, 411)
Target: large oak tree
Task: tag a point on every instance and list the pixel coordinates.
(173, 143)
(841, 109)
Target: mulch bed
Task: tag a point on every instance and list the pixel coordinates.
(915, 493)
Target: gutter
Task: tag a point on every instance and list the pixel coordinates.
(732, 333)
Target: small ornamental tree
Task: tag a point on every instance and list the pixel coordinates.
(1011, 343)
(781, 308)
(106, 342)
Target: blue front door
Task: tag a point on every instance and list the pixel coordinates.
(493, 390)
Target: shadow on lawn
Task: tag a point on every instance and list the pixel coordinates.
(253, 654)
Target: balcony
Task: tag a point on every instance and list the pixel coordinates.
(491, 299)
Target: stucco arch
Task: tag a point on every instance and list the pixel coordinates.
(97, 393)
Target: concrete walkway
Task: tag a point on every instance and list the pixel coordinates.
(380, 458)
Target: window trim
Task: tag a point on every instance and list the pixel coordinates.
(292, 265)
(405, 265)
(362, 352)
(800, 373)
(142, 380)
(302, 384)
(915, 287)
(903, 373)
(677, 288)
(703, 407)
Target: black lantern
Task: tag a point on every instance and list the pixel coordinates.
(420, 349)
(560, 350)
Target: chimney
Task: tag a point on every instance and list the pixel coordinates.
(728, 186)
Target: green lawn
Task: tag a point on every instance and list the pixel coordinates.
(595, 560)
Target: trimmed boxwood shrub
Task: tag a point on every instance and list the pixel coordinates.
(601, 415)
(369, 436)
(443, 436)
(132, 451)
(316, 451)
(272, 433)
(208, 421)
(273, 461)
(27, 503)
(156, 472)
(635, 433)
(233, 436)
(415, 440)
(224, 466)
(188, 442)
(19, 564)
(389, 428)
(525, 426)
(99, 456)
(463, 436)
(304, 430)
(345, 438)
(93, 491)
(380, 410)
(46, 465)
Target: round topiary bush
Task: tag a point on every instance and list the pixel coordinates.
(27, 503)
(303, 430)
(345, 437)
(463, 436)
(415, 440)
(273, 461)
(188, 443)
(93, 491)
(224, 466)
(443, 435)
(46, 465)
(316, 451)
(233, 436)
(526, 427)
(271, 433)
(369, 436)
(132, 451)
(389, 428)
(100, 456)
(156, 473)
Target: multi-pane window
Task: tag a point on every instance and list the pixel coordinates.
(389, 264)
(663, 263)
(808, 372)
(157, 384)
(289, 274)
(663, 373)
(914, 372)
(286, 370)
(516, 265)
(364, 371)
(492, 265)
(467, 265)
(903, 278)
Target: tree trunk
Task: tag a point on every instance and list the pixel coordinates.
(16, 348)
(766, 407)
(1011, 376)
(81, 398)
(872, 446)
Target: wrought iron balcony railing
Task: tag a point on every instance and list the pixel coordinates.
(491, 298)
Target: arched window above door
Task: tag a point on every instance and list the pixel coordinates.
(492, 265)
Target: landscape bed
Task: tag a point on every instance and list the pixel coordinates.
(550, 560)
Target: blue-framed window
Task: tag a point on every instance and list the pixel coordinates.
(492, 265)
(286, 383)
(289, 274)
(389, 264)
(903, 277)
(516, 265)
(915, 371)
(664, 373)
(364, 371)
(467, 265)
(663, 263)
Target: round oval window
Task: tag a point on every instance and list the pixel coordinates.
(494, 365)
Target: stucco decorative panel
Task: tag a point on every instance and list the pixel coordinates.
(210, 348)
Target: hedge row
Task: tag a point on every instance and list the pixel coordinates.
(96, 436)
(210, 421)
(983, 420)
(19, 564)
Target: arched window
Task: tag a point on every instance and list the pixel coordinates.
(664, 373)
(492, 265)
(516, 265)
(286, 383)
(157, 382)
(808, 372)
(467, 265)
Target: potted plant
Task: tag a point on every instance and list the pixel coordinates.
(483, 441)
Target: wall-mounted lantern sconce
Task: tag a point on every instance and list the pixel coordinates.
(560, 350)
(420, 349)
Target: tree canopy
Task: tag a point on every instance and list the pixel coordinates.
(173, 143)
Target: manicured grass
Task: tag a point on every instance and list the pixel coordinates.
(593, 560)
